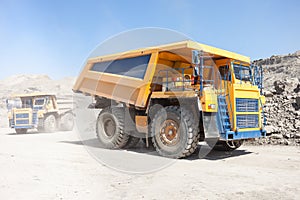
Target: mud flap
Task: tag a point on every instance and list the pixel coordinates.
(210, 125)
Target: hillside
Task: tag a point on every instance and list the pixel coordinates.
(31, 83)
(282, 91)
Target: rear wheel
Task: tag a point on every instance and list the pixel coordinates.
(228, 145)
(21, 130)
(174, 132)
(49, 124)
(67, 122)
(110, 128)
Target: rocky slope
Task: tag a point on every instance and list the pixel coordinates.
(282, 91)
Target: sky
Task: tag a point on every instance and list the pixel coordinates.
(56, 37)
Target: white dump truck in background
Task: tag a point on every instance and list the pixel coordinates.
(40, 111)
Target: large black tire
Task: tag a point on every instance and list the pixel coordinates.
(110, 128)
(67, 122)
(228, 145)
(174, 132)
(21, 130)
(132, 142)
(50, 124)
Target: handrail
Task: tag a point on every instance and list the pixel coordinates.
(231, 110)
(257, 77)
(229, 97)
(261, 79)
(183, 80)
(263, 113)
(221, 117)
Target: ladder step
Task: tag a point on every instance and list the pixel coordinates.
(223, 110)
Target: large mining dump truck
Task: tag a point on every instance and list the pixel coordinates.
(174, 96)
(40, 111)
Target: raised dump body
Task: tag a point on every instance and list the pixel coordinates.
(176, 94)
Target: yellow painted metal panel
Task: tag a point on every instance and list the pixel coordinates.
(209, 97)
(248, 129)
(217, 51)
(173, 94)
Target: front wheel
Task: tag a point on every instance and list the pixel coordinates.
(21, 130)
(174, 132)
(228, 145)
(50, 124)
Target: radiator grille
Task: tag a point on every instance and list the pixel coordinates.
(22, 121)
(22, 115)
(246, 105)
(247, 121)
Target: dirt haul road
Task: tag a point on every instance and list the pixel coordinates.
(58, 166)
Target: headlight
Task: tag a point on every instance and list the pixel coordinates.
(212, 106)
(40, 114)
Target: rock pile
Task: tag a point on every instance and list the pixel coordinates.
(282, 91)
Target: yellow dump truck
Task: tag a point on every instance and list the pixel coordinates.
(39, 111)
(175, 96)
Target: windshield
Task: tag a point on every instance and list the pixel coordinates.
(241, 72)
(39, 102)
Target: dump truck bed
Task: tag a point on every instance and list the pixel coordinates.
(64, 105)
(97, 79)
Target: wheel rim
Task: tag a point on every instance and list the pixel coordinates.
(169, 133)
(109, 127)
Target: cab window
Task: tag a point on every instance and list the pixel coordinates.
(242, 72)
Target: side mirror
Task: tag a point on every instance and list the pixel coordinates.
(195, 57)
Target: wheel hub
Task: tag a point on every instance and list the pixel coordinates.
(109, 127)
(169, 133)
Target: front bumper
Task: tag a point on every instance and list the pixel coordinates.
(242, 135)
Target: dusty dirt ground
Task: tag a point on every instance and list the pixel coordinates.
(58, 166)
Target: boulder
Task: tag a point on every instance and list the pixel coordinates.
(270, 129)
(268, 93)
(298, 101)
(297, 89)
(279, 87)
